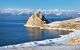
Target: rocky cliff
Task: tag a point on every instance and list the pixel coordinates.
(37, 19)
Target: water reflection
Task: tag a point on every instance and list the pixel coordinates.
(59, 32)
(36, 33)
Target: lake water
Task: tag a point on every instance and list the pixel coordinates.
(13, 31)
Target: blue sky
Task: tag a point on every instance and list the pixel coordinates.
(40, 4)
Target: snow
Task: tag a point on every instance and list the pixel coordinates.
(56, 22)
(44, 11)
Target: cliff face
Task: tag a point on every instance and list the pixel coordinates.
(37, 19)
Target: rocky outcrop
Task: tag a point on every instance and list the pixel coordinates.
(37, 19)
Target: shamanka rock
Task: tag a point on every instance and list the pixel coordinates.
(37, 19)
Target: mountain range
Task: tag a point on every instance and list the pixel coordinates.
(54, 12)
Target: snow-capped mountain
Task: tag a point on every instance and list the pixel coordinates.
(54, 12)
(15, 11)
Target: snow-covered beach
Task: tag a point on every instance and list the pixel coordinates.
(63, 40)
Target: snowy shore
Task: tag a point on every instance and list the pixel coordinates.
(63, 40)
